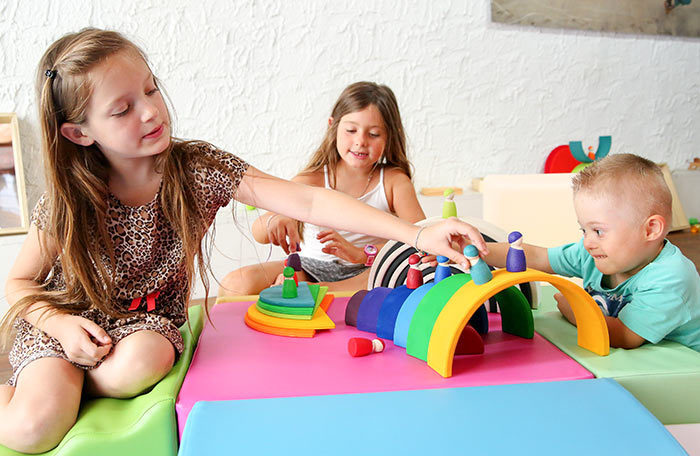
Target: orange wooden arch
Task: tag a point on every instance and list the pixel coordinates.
(592, 329)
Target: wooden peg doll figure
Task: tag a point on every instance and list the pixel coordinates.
(515, 260)
(479, 270)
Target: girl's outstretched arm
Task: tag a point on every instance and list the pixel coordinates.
(277, 229)
(341, 212)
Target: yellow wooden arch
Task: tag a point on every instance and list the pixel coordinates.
(592, 329)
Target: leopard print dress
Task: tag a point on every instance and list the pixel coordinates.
(150, 265)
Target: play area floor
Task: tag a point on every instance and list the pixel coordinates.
(233, 361)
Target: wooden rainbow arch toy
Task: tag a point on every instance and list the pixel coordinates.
(454, 315)
(429, 319)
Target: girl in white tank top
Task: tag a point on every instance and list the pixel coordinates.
(364, 135)
(311, 247)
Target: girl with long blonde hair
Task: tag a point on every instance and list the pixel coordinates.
(103, 278)
(363, 154)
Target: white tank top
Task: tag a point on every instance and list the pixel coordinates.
(311, 247)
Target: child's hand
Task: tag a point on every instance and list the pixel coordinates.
(335, 244)
(281, 228)
(430, 259)
(83, 341)
(448, 238)
(565, 308)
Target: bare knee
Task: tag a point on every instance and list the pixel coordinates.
(134, 368)
(358, 282)
(245, 281)
(42, 407)
(40, 429)
(137, 377)
(231, 283)
(140, 374)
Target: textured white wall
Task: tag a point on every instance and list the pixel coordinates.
(259, 78)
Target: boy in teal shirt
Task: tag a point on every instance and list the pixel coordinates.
(646, 288)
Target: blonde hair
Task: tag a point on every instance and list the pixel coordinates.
(357, 97)
(77, 183)
(629, 179)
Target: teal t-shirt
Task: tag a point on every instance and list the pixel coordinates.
(662, 301)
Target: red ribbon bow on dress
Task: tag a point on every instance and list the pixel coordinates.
(150, 302)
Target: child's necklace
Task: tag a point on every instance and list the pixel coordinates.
(369, 179)
(334, 184)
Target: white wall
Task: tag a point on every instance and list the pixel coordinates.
(259, 78)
